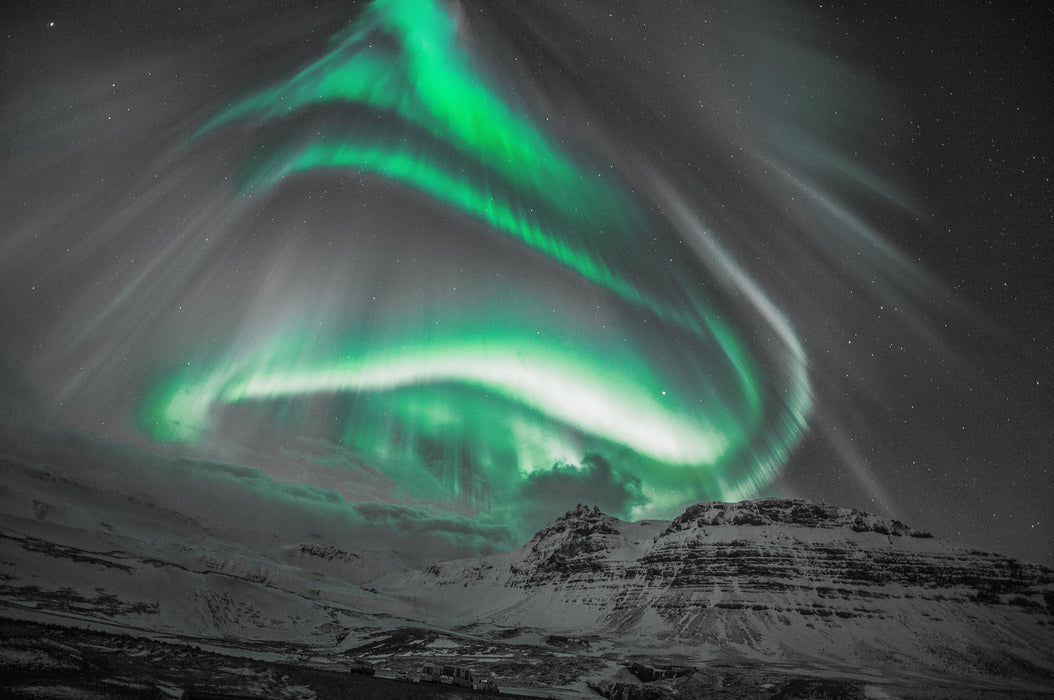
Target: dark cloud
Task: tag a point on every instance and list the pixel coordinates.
(546, 494)
(431, 536)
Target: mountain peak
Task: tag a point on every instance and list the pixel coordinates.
(581, 511)
(575, 536)
(581, 522)
(788, 511)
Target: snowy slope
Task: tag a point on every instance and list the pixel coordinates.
(73, 553)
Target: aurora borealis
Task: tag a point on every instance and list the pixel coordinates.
(498, 395)
(484, 261)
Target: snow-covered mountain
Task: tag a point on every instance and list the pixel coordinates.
(773, 580)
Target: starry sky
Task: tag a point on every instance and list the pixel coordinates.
(438, 271)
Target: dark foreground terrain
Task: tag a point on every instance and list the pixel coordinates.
(48, 661)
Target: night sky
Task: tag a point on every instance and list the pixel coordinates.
(431, 273)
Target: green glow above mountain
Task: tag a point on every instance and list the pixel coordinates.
(676, 393)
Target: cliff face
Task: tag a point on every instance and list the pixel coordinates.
(779, 511)
(773, 579)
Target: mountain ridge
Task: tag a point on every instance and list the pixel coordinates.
(774, 580)
(792, 511)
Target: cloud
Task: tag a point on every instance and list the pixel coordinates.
(544, 495)
(243, 503)
(432, 536)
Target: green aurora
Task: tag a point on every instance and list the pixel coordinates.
(677, 397)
